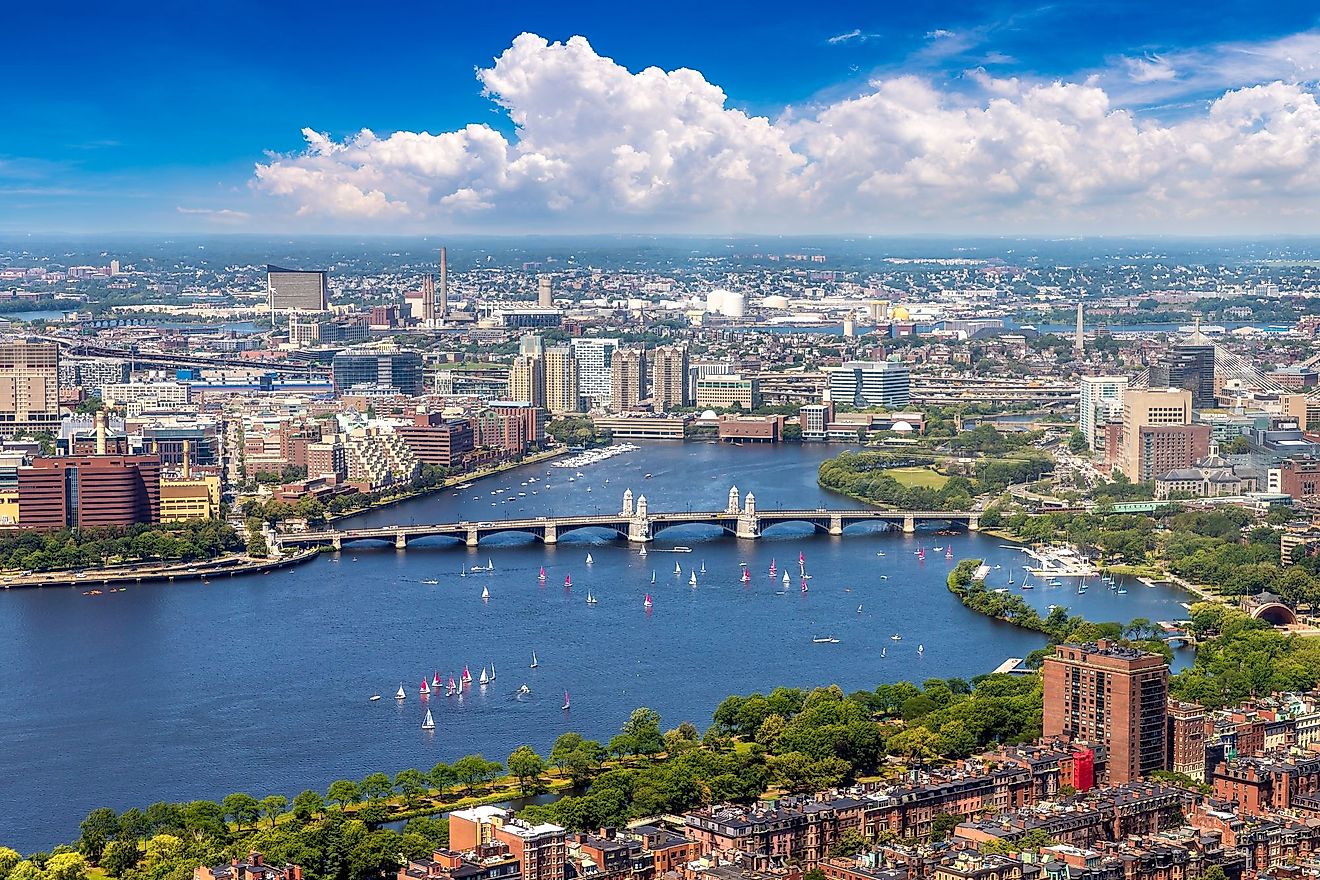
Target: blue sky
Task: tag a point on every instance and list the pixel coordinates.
(883, 117)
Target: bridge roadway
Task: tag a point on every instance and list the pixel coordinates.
(637, 526)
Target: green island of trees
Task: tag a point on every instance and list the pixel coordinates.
(863, 475)
(63, 549)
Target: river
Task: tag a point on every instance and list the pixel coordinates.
(261, 684)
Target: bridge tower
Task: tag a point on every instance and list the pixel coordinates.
(627, 502)
(639, 526)
(749, 524)
(734, 506)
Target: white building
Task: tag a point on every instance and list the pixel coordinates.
(595, 358)
(870, 383)
(138, 396)
(728, 303)
(1101, 402)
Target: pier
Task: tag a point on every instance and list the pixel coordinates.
(636, 523)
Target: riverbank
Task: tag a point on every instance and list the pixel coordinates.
(95, 579)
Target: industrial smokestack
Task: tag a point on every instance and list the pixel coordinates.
(187, 467)
(1079, 344)
(428, 300)
(100, 432)
(444, 284)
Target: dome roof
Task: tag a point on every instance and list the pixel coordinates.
(899, 313)
(901, 427)
(709, 414)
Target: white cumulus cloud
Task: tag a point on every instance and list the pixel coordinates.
(599, 147)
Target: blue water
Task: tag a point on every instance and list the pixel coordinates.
(260, 684)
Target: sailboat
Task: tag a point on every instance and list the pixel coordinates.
(425, 689)
(490, 566)
(1010, 576)
(678, 569)
(590, 561)
(703, 566)
(435, 682)
(541, 576)
(642, 552)
(921, 554)
(566, 702)
(591, 600)
(692, 578)
(402, 694)
(485, 679)
(428, 723)
(449, 691)
(921, 649)
(804, 585)
(492, 670)
(647, 603)
(948, 552)
(746, 576)
(568, 581)
(884, 651)
(772, 568)
(785, 578)
(467, 676)
(859, 609)
(485, 593)
(653, 576)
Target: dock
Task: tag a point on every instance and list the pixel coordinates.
(1012, 666)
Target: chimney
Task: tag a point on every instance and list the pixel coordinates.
(100, 432)
(187, 469)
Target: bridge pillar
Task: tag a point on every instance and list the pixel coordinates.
(749, 525)
(639, 529)
(471, 536)
(974, 523)
(400, 541)
(337, 542)
(909, 524)
(551, 534)
(836, 524)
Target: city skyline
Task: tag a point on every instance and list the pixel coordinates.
(942, 119)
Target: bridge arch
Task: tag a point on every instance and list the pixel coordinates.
(618, 529)
(1275, 613)
(820, 524)
(728, 528)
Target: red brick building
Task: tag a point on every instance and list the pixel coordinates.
(83, 491)
(254, 867)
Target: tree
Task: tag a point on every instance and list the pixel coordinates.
(942, 824)
(410, 784)
(442, 776)
(850, 843)
(273, 806)
(470, 770)
(66, 866)
(120, 857)
(308, 804)
(376, 786)
(240, 807)
(1077, 442)
(1214, 872)
(527, 766)
(8, 859)
(343, 792)
(564, 747)
(97, 829)
(643, 728)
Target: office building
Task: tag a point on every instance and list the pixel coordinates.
(296, 290)
(707, 368)
(29, 388)
(669, 378)
(870, 383)
(722, 392)
(561, 380)
(189, 497)
(527, 379)
(1190, 366)
(1100, 403)
(1302, 407)
(814, 419)
(627, 379)
(398, 370)
(1100, 692)
(595, 379)
(545, 292)
(436, 440)
(92, 373)
(89, 490)
(1157, 434)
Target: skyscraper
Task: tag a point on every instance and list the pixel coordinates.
(1100, 402)
(561, 380)
(627, 378)
(527, 379)
(669, 380)
(1157, 434)
(1102, 693)
(295, 290)
(594, 356)
(444, 285)
(870, 383)
(29, 387)
(1189, 365)
(1079, 342)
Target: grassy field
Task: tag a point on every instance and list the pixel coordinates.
(918, 477)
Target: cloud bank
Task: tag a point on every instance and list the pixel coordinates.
(598, 147)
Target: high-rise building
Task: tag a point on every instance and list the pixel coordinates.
(539, 849)
(443, 311)
(595, 379)
(1187, 739)
(1079, 341)
(527, 380)
(1157, 434)
(707, 368)
(722, 392)
(814, 419)
(561, 380)
(545, 292)
(295, 290)
(531, 345)
(400, 370)
(1100, 692)
(1101, 402)
(29, 387)
(669, 378)
(870, 383)
(627, 379)
(1191, 366)
(89, 490)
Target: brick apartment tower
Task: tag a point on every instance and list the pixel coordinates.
(1102, 693)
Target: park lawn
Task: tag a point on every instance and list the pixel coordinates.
(918, 477)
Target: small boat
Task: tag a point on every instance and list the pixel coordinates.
(591, 600)
(652, 576)
(430, 581)
(948, 552)
(703, 566)
(746, 576)
(425, 689)
(485, 593)
(646, 477)
(692, 578)
(401, 694)
(467, 676)
(590, 561)
(824, 640)
(921, 649)
(524, 691)
(435, 682)
(541, 576)
(492, 670)
(804, 585)
(449, 690)
(785, 578)
(896, 638)
(1122, 591)
(884, 652)
(534, 664)
(937, 549)
(772, 568)
(859, 609)
(567, 705)
(642, 552)
(921, 556)
(373, 698)
(568, 581)
(428, 723)
(678, 569)
(647, 603)
(681, 549)
(485, 679)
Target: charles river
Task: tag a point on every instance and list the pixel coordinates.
(261, 684)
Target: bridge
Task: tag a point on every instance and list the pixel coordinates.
(635, 523)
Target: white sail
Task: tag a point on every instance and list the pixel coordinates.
(590, 561)
(485, 679)
(485, 592)
(678, 569)
(428, 723)
(402, 694)
(492, 671)
(534, 664)
(642, 552)
(785, 577)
